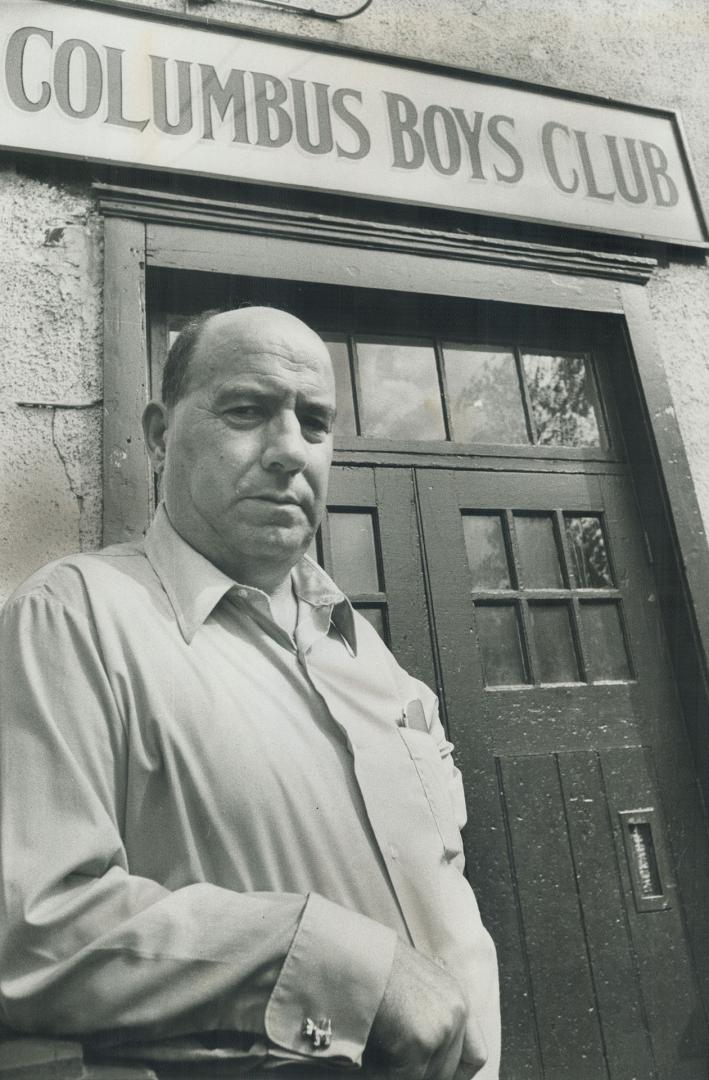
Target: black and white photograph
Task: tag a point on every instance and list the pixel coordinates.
(354, 575)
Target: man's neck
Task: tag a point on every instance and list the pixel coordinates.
(273, 578)
(284, 606)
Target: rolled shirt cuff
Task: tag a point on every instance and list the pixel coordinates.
(333, 980)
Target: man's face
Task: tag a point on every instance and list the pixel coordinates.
(248, 447)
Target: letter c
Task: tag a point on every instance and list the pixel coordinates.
(14, 60)
(548, 147)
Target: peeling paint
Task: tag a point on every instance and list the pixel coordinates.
(53, 236)
(565, 283)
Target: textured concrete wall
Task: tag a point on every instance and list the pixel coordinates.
(645, 51)
(50, 374)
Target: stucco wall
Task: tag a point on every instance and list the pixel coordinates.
(50, 344)
(645, 51)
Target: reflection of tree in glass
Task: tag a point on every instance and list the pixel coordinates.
(588, 551)
(561, 402)
(484, 396)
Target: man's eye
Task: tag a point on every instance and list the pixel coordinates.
(319, 424)
(245, 412)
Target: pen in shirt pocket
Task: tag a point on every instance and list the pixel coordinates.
(413, 717)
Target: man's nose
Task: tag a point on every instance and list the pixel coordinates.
(284, 447)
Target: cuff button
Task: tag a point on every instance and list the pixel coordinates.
(319, 1032)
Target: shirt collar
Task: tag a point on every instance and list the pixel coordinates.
(313, 586)
(195, 586)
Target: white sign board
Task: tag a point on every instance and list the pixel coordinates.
(109, 84)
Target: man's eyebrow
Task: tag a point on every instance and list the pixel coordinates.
(320, 407)
(247, 388)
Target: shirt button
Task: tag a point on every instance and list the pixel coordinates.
(242, 593)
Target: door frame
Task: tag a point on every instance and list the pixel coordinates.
(146, 231)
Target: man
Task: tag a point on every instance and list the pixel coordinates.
(228, 816)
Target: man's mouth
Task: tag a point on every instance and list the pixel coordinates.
(279, 500)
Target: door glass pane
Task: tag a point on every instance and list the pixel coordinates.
(501, 644)
(484, 397)
(340, 356)
(604, 641)
(354, 555)
(400, 394)
(375, 616)
(538, 553)
(563, 400)
(485, 548)
(589, 555)
(556, 656)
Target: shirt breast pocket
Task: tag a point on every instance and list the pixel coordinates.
(427, 760)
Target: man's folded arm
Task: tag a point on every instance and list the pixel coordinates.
(87, 946)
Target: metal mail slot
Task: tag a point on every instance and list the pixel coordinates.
(640, 831)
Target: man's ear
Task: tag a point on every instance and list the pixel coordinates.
(155, 425)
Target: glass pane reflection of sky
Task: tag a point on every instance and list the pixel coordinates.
(400, 393)
(604, 640)
(354, 558)
(485, 548)
(339, 354)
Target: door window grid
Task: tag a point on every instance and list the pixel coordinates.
(452, 391)
(570, 631)
(349, 549)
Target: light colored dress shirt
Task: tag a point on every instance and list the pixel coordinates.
(209, 826)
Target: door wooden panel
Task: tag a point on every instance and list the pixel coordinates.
(604, 905)
(609, 981)
(564, 994)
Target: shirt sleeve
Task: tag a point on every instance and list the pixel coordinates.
(87, 947)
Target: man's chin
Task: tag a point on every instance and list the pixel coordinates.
(278, 544)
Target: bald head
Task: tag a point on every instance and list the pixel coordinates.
(240, 327)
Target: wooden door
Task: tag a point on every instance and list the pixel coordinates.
(578, 777)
